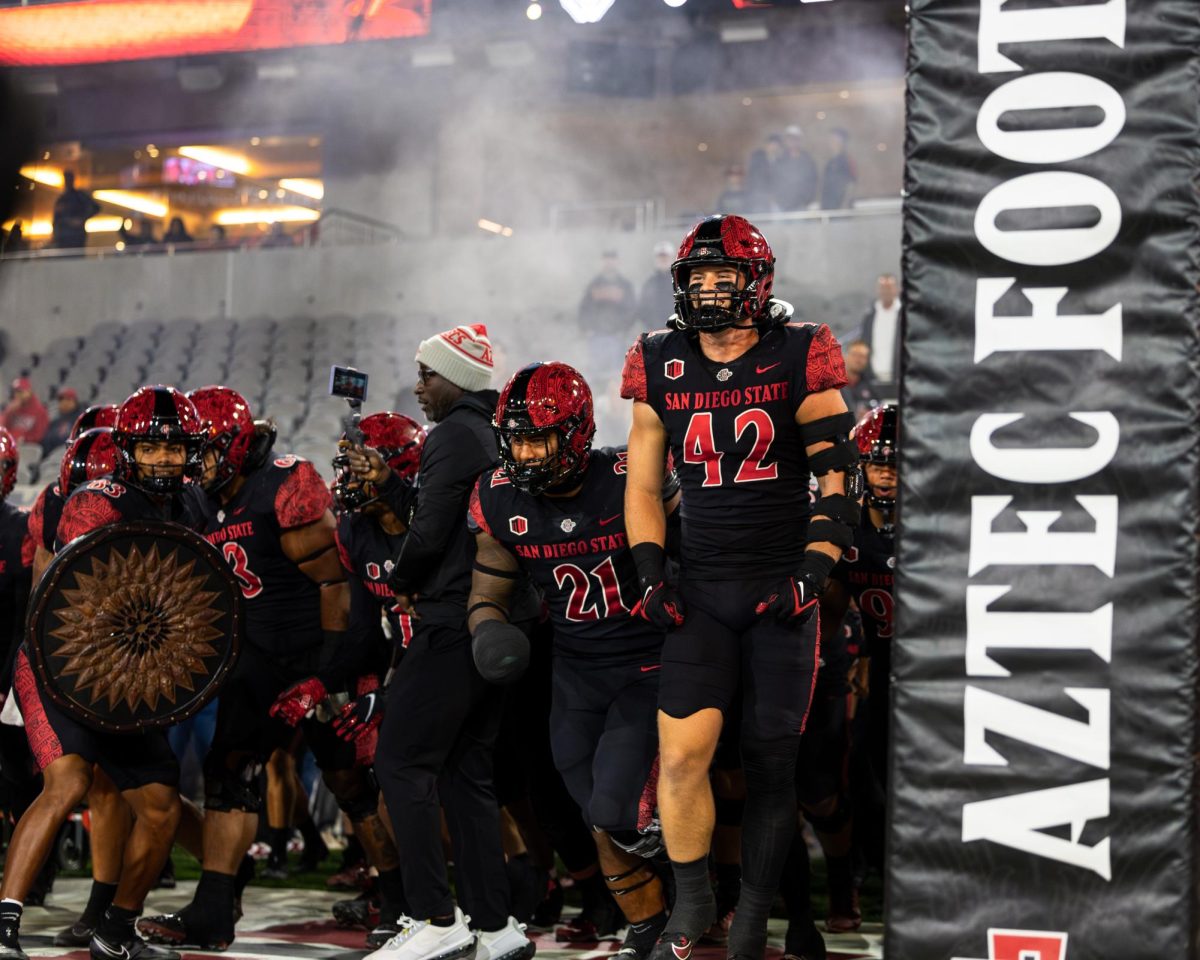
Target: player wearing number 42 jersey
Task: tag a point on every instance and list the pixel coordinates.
(749, 405)
(555, 509)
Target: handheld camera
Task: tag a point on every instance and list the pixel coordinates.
(351, 386)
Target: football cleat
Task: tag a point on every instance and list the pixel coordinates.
(507, 943)
(78, 934)
(171, 930)
(131, 948)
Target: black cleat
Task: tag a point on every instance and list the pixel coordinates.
(78, 934)
(640, 939)
(673, 946)
(172, 930)
(131, 948)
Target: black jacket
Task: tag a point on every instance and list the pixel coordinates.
(438, 552)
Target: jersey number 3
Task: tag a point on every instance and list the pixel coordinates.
(700, 447)
(235, 555)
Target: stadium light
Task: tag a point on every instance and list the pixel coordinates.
(132, 201)
(305, 186)
(674, 3)
(45, 228)
(47, 176)
(241, 216)
(586, 11)
(216, 157)
(534, 11)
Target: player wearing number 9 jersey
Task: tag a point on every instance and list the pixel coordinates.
(555, 509)
(748, 403)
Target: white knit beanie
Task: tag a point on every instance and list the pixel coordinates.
(462, 355)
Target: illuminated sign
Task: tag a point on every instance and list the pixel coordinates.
(97, 31)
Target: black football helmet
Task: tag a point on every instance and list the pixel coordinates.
(724, 240)
(540, 398)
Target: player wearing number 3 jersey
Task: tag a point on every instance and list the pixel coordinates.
(748, 404)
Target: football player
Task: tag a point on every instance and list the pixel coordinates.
(866, 574)
(159, 438)
(369, 535)
(269, 514)
(749, 405)
(555, 509)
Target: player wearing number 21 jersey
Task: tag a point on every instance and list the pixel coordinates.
(555, 510)
(748, 404)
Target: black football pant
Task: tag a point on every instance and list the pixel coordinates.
(435, 751)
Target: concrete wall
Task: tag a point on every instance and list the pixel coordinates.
(474, 279)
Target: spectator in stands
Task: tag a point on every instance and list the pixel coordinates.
(657, 299)
(760, 176)
(795, 179)
(608, 301)
(60, 427)
(72, 210)
(840, 172)
(176, 232)
(734, 198)
(881, 330)
(217, 235)
(277, 238)
(25, 416)
(859, 392)
(14, 240)
(142, 234)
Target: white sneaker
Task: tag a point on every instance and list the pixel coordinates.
(421, 940)
(507, 943)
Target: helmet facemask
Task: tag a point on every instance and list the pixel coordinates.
(726, 306)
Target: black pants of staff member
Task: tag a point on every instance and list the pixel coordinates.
(435, 750)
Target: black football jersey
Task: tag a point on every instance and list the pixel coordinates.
(283, 606)
(44, 517)
(16, 562)
(735, 442)
(868, 569)
(576, 552)
(367, 553)
(100, 502)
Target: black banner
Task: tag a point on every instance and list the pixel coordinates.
(1045, 671)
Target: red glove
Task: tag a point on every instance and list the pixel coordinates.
(297, 702)
(359, 717)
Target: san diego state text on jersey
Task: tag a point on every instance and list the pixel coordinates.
(283, 606)
(868, 569)
(735, 442)
(576, 551)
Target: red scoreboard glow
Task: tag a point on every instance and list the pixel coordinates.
(97, 31)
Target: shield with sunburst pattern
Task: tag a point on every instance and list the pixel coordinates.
(135, 625)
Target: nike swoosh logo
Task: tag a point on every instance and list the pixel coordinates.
(684, 953)
(605, 523)
(370, 703)
(108, 951)
(770, 366)
(656, 666)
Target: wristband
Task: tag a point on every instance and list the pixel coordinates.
(650, 559)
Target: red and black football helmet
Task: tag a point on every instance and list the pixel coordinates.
(230, 425)
(91, 455)
(158, 414)
(398, 439)
(726, 240)
(539, 399)
(878, 438)
(10, 459)
(97, 415)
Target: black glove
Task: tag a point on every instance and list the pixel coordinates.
(359, 717)
(660, 604)
(791, 599)
(501, 651)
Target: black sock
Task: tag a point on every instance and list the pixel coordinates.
(312, 836)
(391, 894)
(643, 934)
(442, 921)
(278, 838)
(695, 907)
(10, 922)
(211, 910)
(244, 875)
(99, 900)
(353, 853)
(117, 924)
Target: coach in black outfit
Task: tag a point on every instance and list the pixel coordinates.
(436, 741)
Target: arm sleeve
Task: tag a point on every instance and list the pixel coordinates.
(452, 461)
(344, 662)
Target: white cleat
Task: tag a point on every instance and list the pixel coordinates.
(421, 940)
(507, 943)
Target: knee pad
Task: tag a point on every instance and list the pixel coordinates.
(233, 783)
(770, 763)
(355, 791)
(729, 811)
(832, 823)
